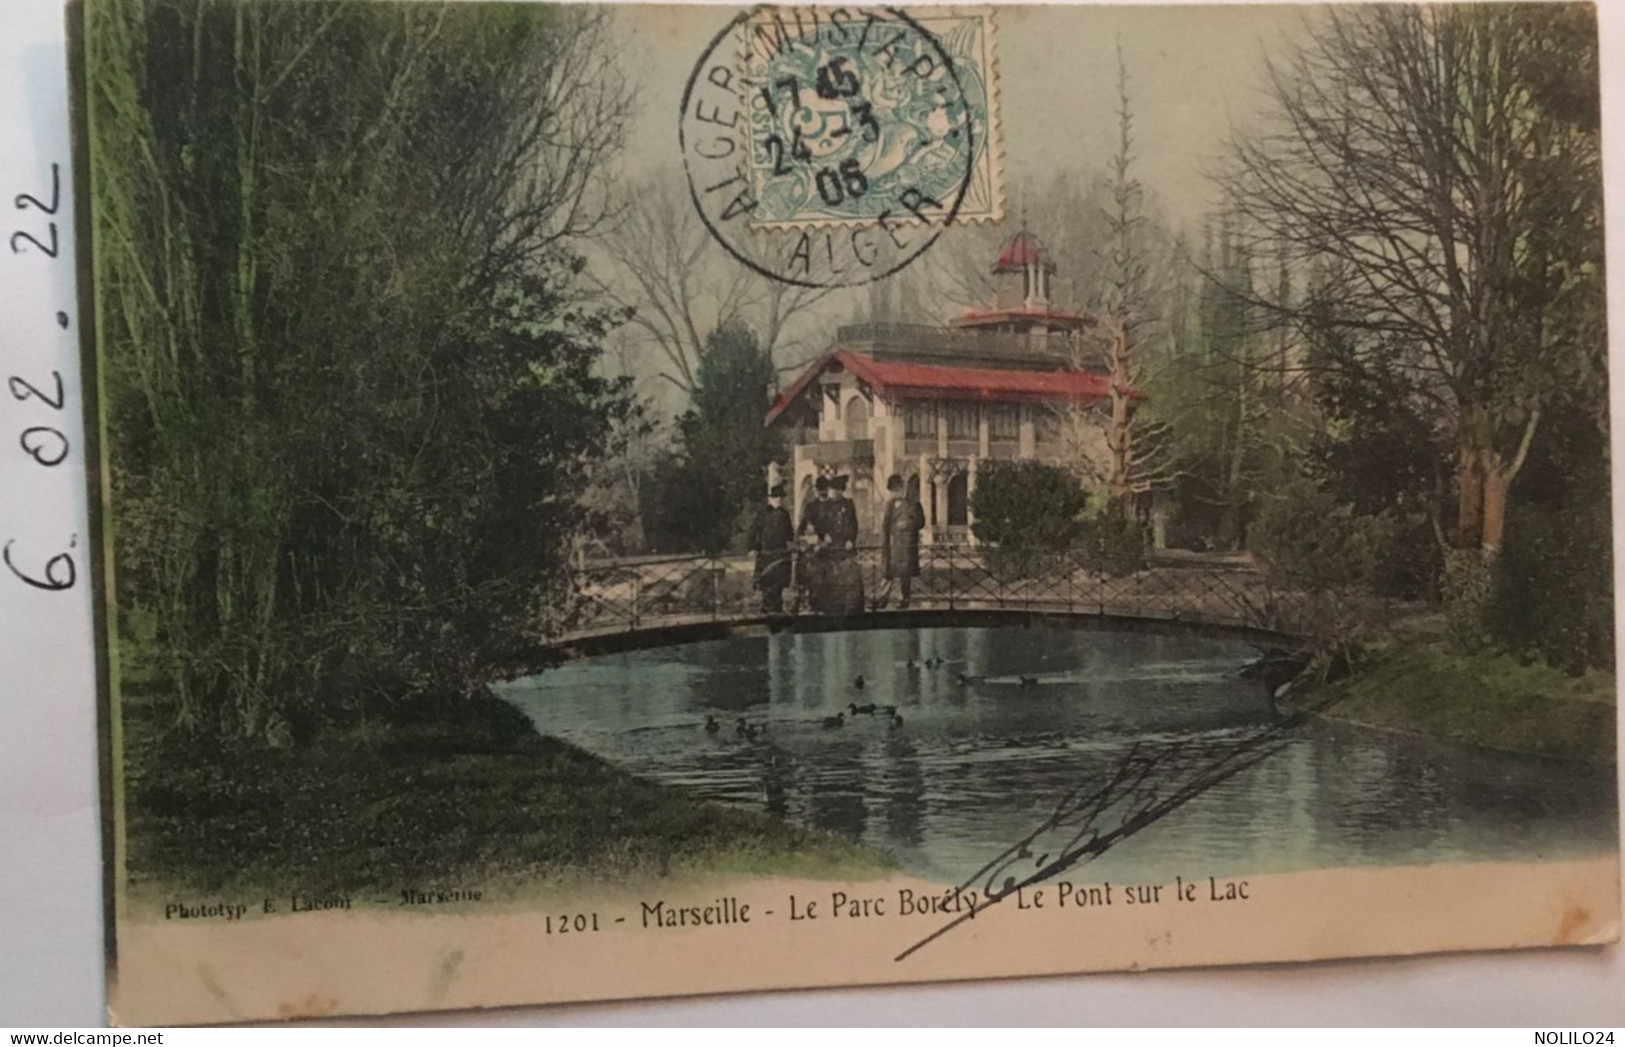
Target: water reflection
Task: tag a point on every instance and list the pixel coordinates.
(983, 755)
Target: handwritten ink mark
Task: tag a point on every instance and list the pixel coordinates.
(1145, 786)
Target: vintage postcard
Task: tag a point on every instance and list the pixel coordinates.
(614, 501)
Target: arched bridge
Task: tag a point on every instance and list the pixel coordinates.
(645, 602)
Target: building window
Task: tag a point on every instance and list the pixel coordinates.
(857, 419)
(1049, 425)
(962, 421)
(958, 500)
(1003, 422)
(920, 418)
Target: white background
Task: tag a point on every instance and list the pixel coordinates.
(50, 903)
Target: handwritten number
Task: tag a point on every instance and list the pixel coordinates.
(39, 449)
(24, 200)
(22, 389)
(45, 445)
(52, 582)
(49, 252)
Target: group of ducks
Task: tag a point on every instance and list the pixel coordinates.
(963, 679)
(871, 709)
(889, 711)
(751, 731)
(742, 727)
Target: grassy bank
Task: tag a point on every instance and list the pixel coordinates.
(1413, 679)
(480, 802)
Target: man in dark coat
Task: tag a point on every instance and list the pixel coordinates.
(770, 538)
(900, 542)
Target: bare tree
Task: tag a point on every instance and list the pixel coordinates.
(1122, 316)
(1116, 446)
(666, 273)
(680, 285)
(1410, 161)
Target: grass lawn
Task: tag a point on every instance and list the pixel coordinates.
(480, 803)
(1413, 679)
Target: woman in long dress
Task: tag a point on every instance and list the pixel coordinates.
(842, 580)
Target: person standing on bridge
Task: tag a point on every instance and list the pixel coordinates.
(815, 513)
(843, 579)
(813, 531)
(900, 529)
(771, 536)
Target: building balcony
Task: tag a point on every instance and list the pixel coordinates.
(838, 452)
(951, 345)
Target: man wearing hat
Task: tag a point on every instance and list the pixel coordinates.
(900, 542)
(770, 538)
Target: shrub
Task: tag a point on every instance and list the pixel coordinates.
(1028, 505)
(1550, 591)
(1026, 512)
(1305, 530)
(1113, 544)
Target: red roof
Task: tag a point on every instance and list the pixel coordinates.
(1052, 317)
(1023, 249)
(927, 381)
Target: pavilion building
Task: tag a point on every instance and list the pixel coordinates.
(931, 404)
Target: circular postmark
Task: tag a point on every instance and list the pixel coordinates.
(831, 147)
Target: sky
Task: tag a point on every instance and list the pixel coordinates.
(1195, 73)
(1193, 70)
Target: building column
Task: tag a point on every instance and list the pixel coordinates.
(942, 506)
(970, 489)
(942, 429)
(1028, 439)
(930, 534)
(797, 472)
(981, 431)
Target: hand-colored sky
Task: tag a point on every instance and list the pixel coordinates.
(1193, 70)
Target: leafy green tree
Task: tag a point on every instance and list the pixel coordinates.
(1231, 430)
(716, 476)
(350, 393)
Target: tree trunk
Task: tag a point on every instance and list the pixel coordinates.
(1471, 453)
(1496, 482)
(1485, 477)
(1122, 447)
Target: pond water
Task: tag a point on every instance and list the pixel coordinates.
(976, 764)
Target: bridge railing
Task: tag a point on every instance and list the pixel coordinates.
(654, 593)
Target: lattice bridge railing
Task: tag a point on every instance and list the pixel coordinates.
(651, 594)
